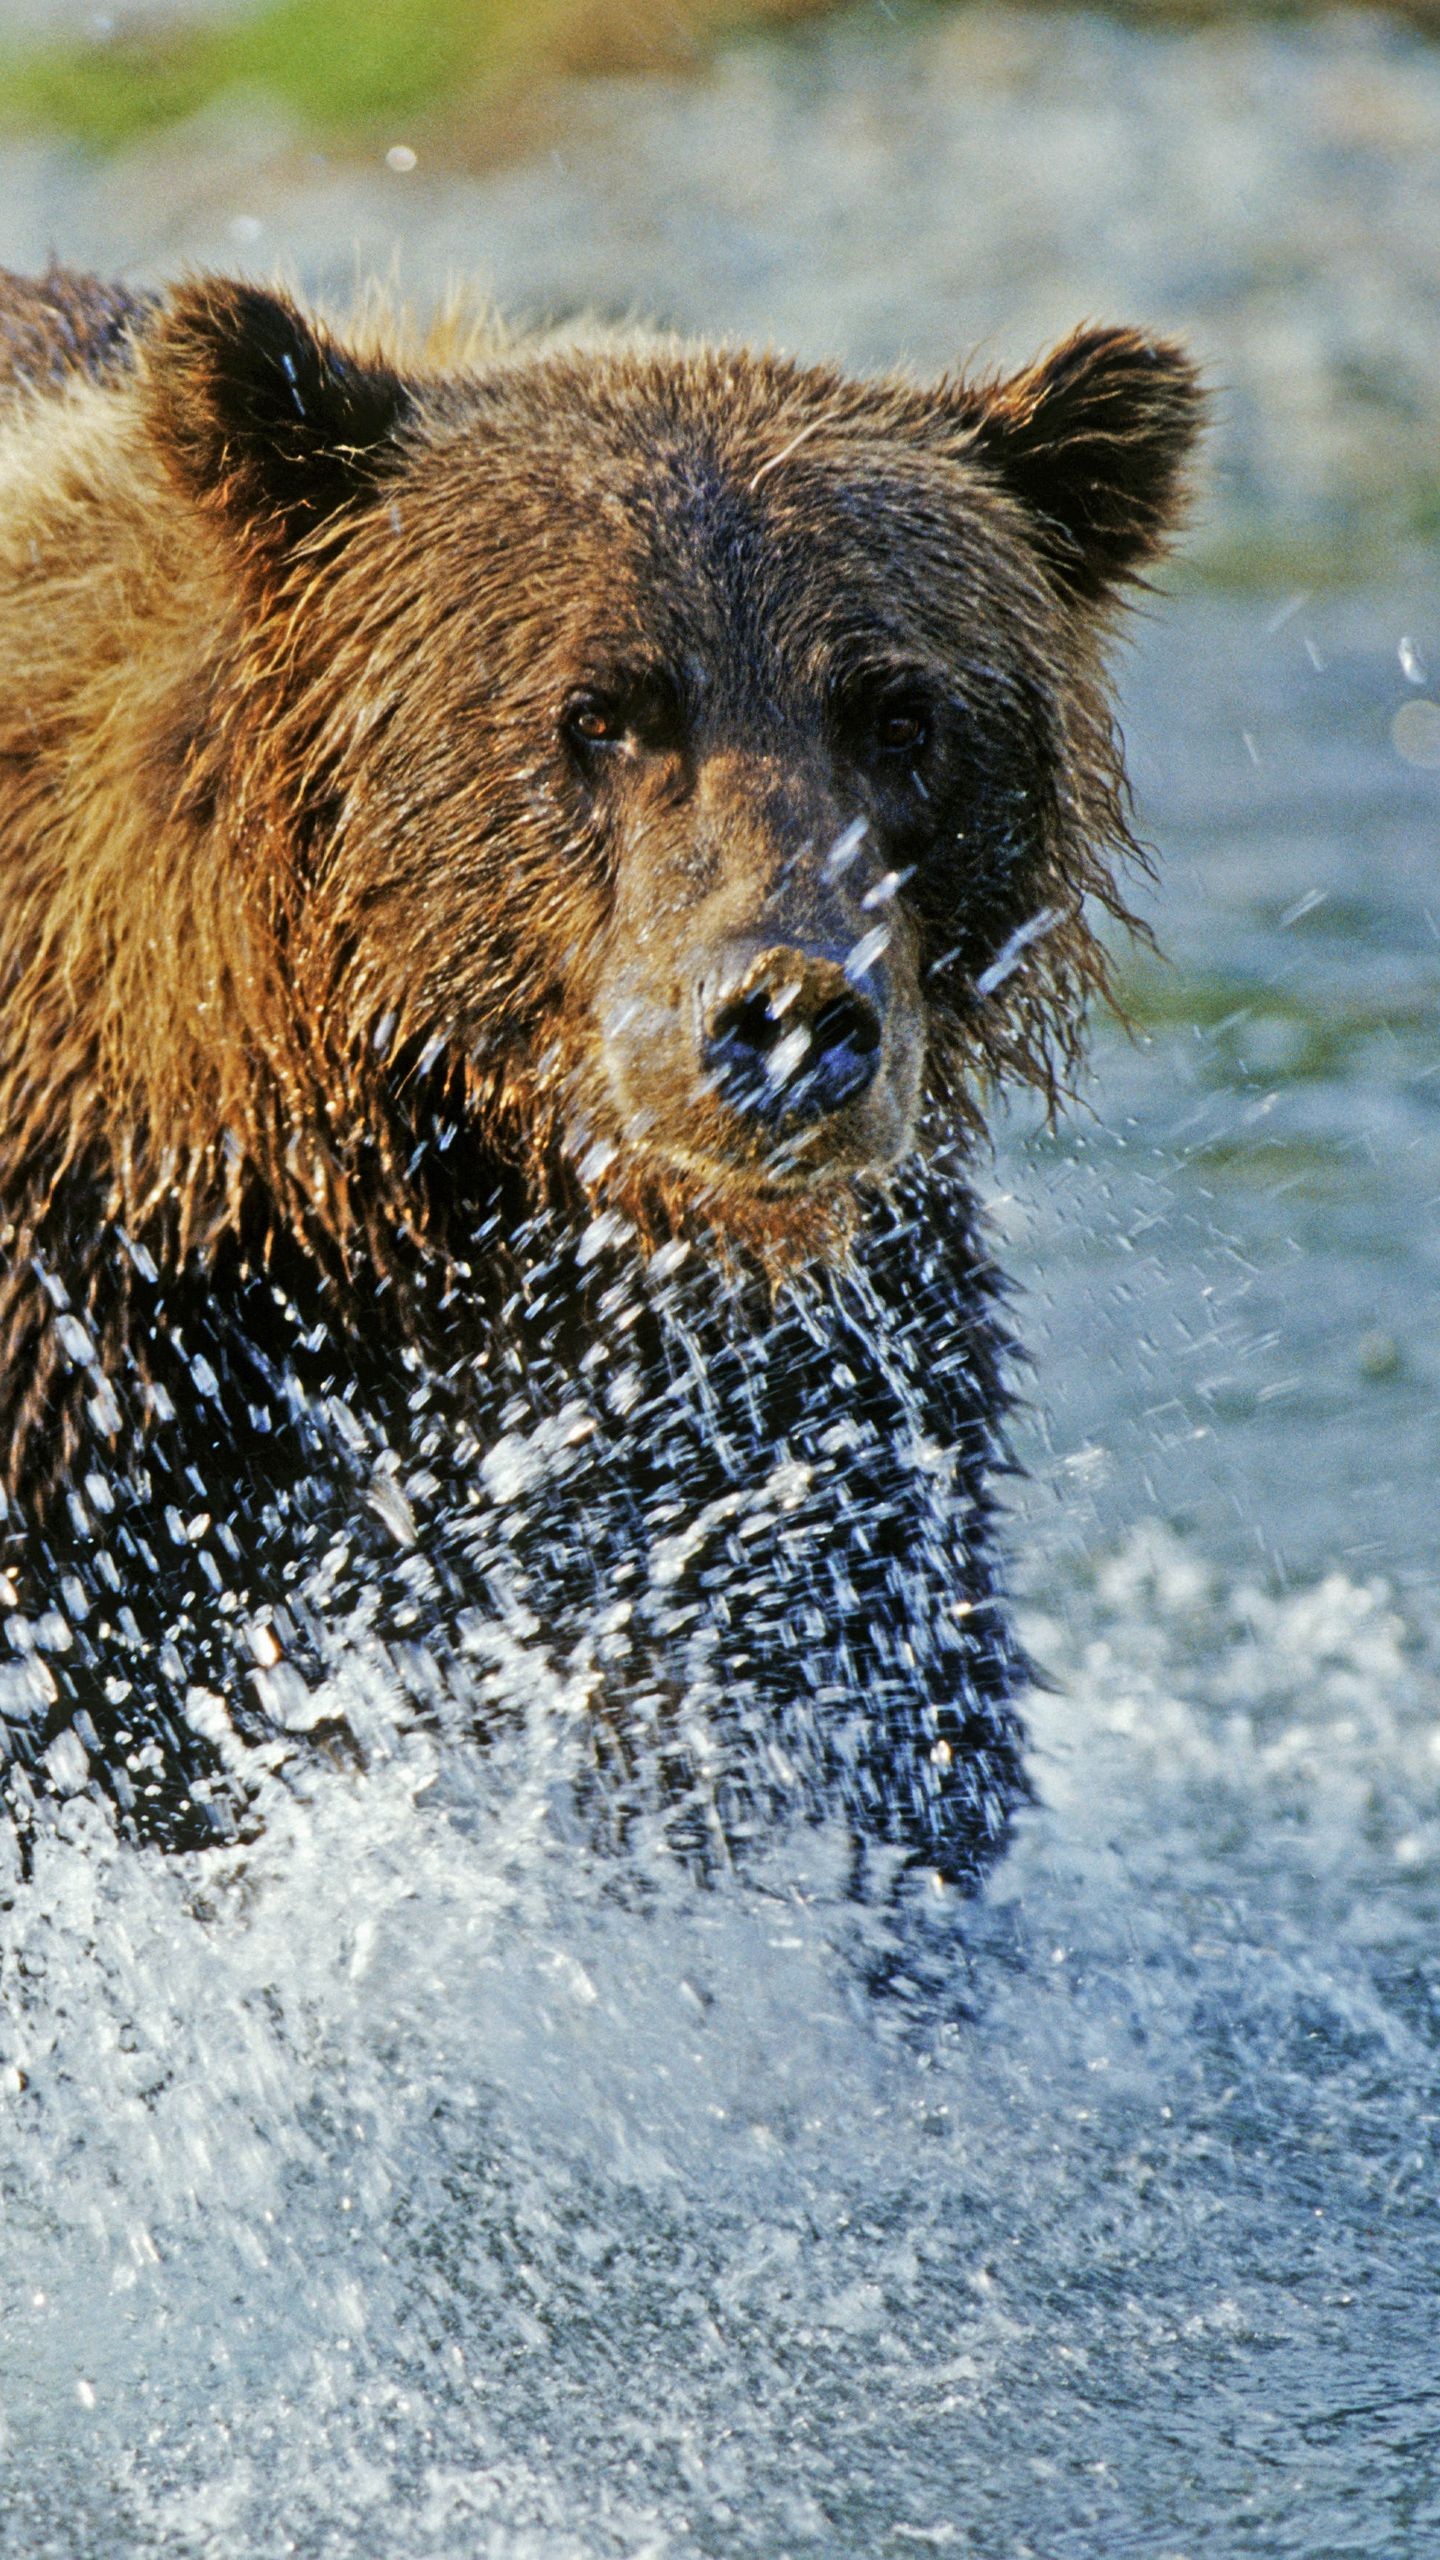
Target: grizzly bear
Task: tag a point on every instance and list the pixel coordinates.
(524, 859)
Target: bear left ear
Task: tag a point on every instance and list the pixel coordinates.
(261, 416)
(1094, 440)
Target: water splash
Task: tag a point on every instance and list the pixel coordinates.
(527, 2216)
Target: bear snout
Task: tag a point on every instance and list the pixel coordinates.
(791, 1040)
(766, 1063)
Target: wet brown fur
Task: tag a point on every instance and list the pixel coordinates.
(281, 838)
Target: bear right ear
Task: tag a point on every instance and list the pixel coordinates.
(261, 417)
(1095, 441)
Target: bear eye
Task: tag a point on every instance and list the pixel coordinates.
(900, 729)
(884, 719)
(593, 722)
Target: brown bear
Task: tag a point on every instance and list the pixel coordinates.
(523, 860)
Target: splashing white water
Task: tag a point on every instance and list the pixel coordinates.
(406, 2181)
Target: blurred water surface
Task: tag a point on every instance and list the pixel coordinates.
(896, 181)
(1244, 1236)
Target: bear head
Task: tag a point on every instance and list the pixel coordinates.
(690, 765)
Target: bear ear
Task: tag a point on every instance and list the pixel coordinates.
(261, 416)
(1094, 440)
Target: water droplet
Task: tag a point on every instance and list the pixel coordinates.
(884, 890)
(870, 948)
(846, 846)
(389, 1504)
(1007, 958)
(74, 1340)
(788, 1056)
(1287, 612)
(597, 1159)
(1415, 732)
(1303, 907)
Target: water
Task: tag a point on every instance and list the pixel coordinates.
(408, 2183)
(1244, 1238)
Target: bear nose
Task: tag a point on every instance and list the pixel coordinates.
(792, 1041)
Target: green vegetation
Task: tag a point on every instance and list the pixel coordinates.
(347, 69)
(339, 67)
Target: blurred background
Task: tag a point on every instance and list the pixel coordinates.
(901, 177)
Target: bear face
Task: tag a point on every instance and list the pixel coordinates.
(677, 739)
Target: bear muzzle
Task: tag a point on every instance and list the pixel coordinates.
(769, 1068)
(770, 1034)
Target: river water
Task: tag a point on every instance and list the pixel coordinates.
(406, 2185)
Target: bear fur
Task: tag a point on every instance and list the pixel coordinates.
(523, 861)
